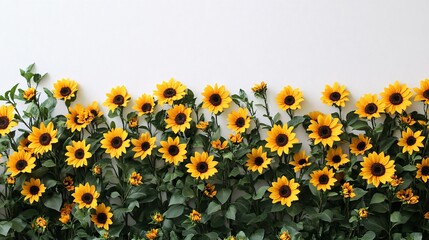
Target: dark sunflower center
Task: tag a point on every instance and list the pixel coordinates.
(215, 99)
(4, 122)
(285, 191)
(396, 99)
(426, 94)
(145, 146)
(202, 167)
(94, 112)
(324, 131)
(378, 169)
(76, 121)
(79, 154)
(371, 108)
(302, 161)
(21, 164)
(45, 139)
(361, 146)
(336, 159)
(335, 96)
(173, 150)
(281, 140)
(65, 91)
(411, 141)
(259, 161)
(180, 118)
(240, 122)
(116, 142)
(102, 218)
(169, 92)
(87, 198)
(425, 170)
(324, 179)
(146, 107)
(118, 100)
(34, 190)
(289, 100)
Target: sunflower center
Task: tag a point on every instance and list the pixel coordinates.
(378, 169)
(116, 142)
(324, 179)
(324, 131)
(425, 170)
(102, 218)
(76, 121)
(118, 100)
(361, 146)
(411, 141)
(87, 198)
(335, 96)
(239, 122)
(145, 146)
(215, 99)
(426, 94)
(259, 161)
(302, 161)
(396, 99)
(79, 154)
(180, 119)
(173, 150)
(336, 159)
(371, 108)
(289, 100)
(65, 91)
(146, 107)
(285, 191)
(34, 190)
(21, 164)
(281, 140)
(94, 112)
(4, 122)
(45, 139)
(202, 167)
(169, 92)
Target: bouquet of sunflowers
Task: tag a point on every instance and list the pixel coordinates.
(162, 167)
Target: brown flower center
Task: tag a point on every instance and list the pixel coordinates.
(116, 142)
(302, 161)
(324, 131)
(4, 122)
(146, 107)
(378, 169)
(79, 154)
(411, 141)
(240, 122)
(426, 94)
(336, 159)
(285, 191)
(180, 118)
(259, 161)
(45, 139)
(118, 100)
(371, 108)
(335, 96)
(289, 100)
(34, 190)
(87, 198)
(202, 167)
(282, 140)
(169, 93)
(94, 112)
(215, 99)
(21, 164)
(76, 121)
(361, 146)
(396, 99)
(145, 146)
(324, 179)
(173, 150)
(101, 218)
(65, 91)
(425, 170)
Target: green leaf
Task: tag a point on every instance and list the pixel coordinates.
(49, 163)
(359, 194)
(409, 168)
(4, 227)
(213, 207)
(177, 198)
(377, 198)
(241, 236)
(115, 194)
(295, 121)
(174, 211)
(258, 235)
(326, 215)
(231, 212)
(54, 201)
(370, 235)
(50, 183)
(223, 195)
(260, 192)
(18, 224)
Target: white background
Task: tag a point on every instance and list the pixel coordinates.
(364, 45)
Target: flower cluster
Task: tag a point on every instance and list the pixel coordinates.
(161, 166)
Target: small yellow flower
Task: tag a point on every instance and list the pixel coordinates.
(407, 196)
(133, 122)
(396, 181)
(195, 216)
(152, 234)
(284, 235)
(96, 170)
(209, 190)
(68, 183)
(260, 88)
(219, 145)
(348, 191)
(10, 180)
(157, 217)
(363, 213)
(426, 215)
(235, 138)
(135, 179)
(202, 125)
(29, 94)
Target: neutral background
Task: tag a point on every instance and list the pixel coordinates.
(364, 45)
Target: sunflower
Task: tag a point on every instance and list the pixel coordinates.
(195, 216)
(411, 141)
(377, 168)
(209, 190)
(300, 160)
(325, 130)
(260, 89)
(323, 179)
(422, 93)
(202, 125)
(20, 162)
(145, 104)
(135, 179)
(363, 213)
(152, 233)
(170, 91)
(78, 154)
(76, 118)
(335, 158)
(396, 181)
(143, 146)
(157, 217)
(360, 144)
(202, 166)
(423, 170)
(102, 217)
(219, 145)
(314, 115)
(172, 151)
(289, 98)
(118, 97)
(348, 191)
(284, 191)
(86, 196)
(179, 118)
(336, 95)
(68, 183)
(24, 144)
(257, 160)
(93, 111)
(65, 89)
(235, 138)
(115, 142)
(29, 94)
(216, 99)
(239, 121)
(284, 235)
(396, 97)
(6, 119)
(42, 138)
(33, 190)
(369, 106)
(281, 139)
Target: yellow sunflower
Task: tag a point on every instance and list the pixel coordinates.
(335, 158)
(93, 111)
(6, 119)
(377, 168)
(300, 160)
(284, 191)
(65, 89)
(325, 130)
(135, 179)
(323, 179)
(281, 139)
(115, 142)
(216, 99)
(348, 191)
(396, 97)
(422, 93)
(143, 146)
(219, 145)
(170, 91)
(239, 121)
(118, 97)
(257, 160)
(209, 190)
(20, 162)
(86, 196)
(423, 170)
(360, 144)
(314, 115)
(172, 151)
(33, 190)
(102, 217)
(202, 166)
(336, 95)
(76, 117)
(260, 88)
(411, 141)
(369, 106)
(42, 138)
(289, 98)
(145, 104)
(152, 233)
(179, 118)
(195, 216)
(29, 94)
(78, 154)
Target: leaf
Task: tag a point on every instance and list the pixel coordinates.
(260, 192)
(176, 199)
(370, 235)
(295, 121)
(50, 183)
(54, 201)
(359, 194)
(115, 194)
(231, 212)
(223, 195)
(377, 198)
(4, 227)
(409, 168)
(174, 211)
(49, 163)
(258, 235)
(18, 224)
(326, 215)
(213, 207)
